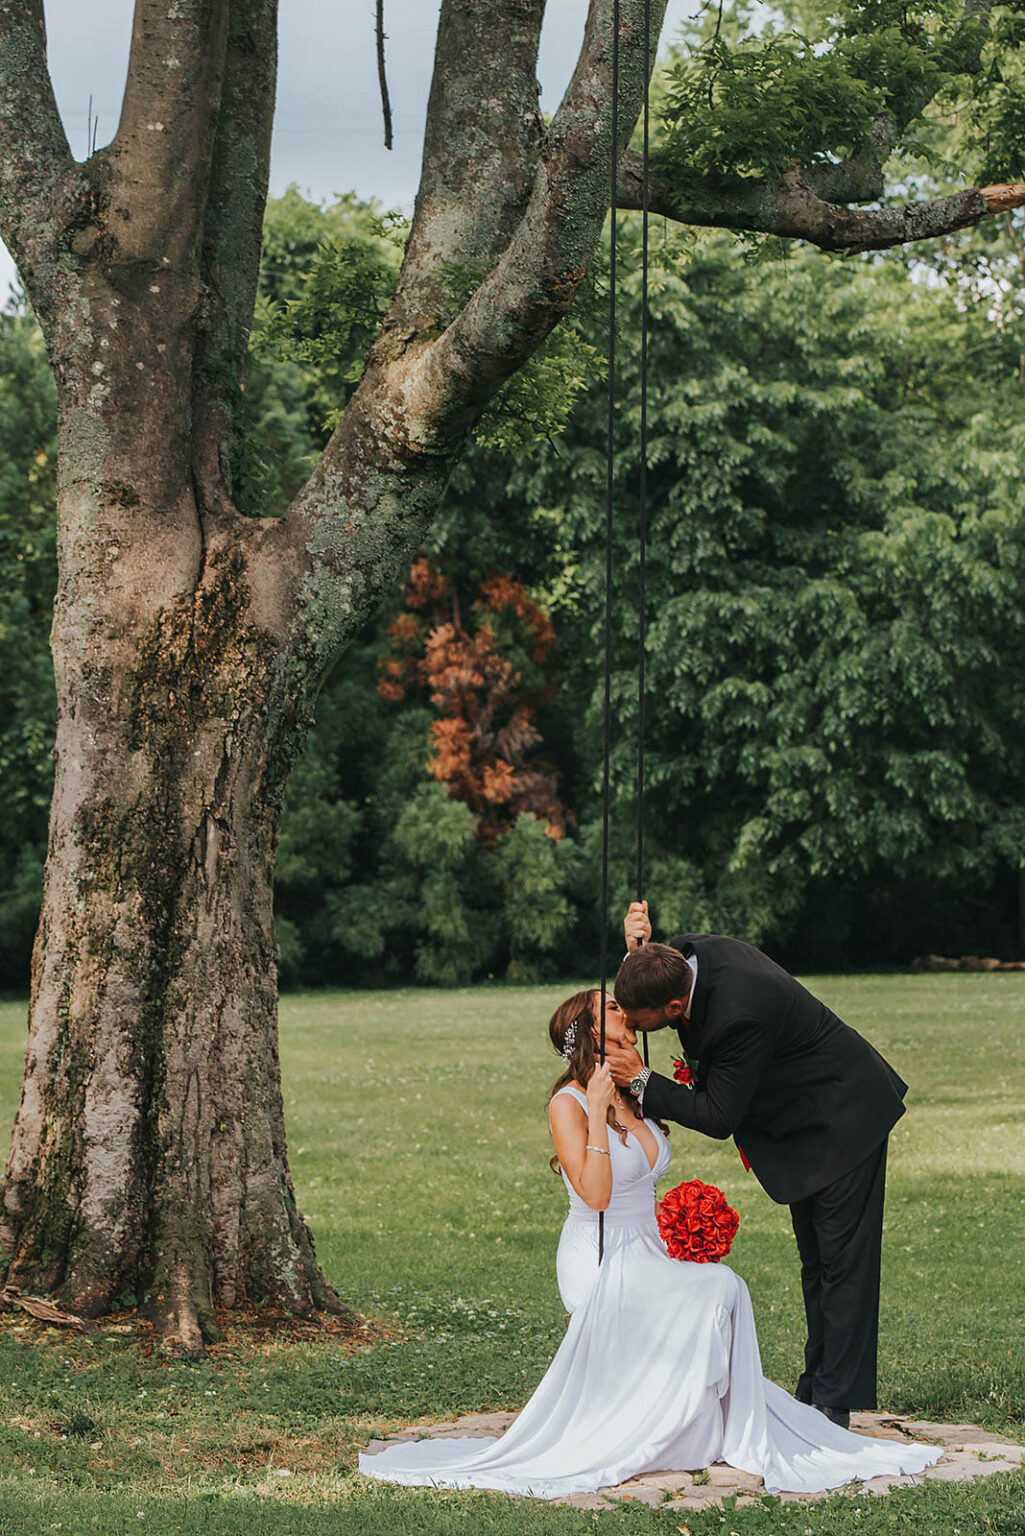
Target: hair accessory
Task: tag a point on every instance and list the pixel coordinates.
(569, 1042)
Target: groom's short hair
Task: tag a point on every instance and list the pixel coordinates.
(652, 976)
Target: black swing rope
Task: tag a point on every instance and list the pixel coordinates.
(610, 453)
(642, 533)
(609, 524)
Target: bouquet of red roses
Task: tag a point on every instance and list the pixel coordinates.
(696, 1224)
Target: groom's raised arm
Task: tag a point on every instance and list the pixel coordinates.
(729, 1079)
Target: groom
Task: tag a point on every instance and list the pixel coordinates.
(810, 1104)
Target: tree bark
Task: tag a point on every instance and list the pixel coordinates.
(149, 1155)
(149, 1151)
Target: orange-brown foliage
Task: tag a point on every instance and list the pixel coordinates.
(486, 726)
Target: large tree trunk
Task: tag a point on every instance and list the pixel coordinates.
(149, 1151)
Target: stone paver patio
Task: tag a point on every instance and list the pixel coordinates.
(967, 1452)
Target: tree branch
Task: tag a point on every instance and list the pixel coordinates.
(168, 117)
(481, 147)
(370, 498)
(1004, 196)
(531, 287)
(958, 54)
(382, 73)
(859, 179)
(793, 210)
(809, 202)
(232, 241)
(35, 159)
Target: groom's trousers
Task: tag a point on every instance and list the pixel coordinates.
(839, 1231)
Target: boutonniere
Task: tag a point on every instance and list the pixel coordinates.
(682, 1073)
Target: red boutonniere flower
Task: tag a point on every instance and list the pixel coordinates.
(696, 1223)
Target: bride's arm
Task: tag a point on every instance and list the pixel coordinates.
(582, 1140)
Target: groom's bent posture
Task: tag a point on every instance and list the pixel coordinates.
(809, 1102)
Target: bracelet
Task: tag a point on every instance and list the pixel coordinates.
(603, 1150)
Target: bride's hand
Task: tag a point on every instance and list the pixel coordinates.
(600, 1089)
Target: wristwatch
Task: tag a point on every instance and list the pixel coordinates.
(640, 1082)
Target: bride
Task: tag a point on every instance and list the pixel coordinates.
(659, 1369)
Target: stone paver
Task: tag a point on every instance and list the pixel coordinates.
(968, 1451)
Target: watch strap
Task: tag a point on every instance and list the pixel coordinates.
(640, 1082)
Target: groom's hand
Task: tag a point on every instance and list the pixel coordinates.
(624, 1062)
(636, 925)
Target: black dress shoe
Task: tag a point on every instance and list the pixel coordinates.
(841, 1416)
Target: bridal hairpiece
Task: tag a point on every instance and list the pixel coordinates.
(569, 1042)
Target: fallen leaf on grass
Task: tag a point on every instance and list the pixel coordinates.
(44, 1311)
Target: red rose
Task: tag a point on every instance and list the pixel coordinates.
(682, 1073)
(696, 1224)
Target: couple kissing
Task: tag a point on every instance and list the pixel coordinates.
(659, 1369)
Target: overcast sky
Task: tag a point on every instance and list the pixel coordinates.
(327, 134)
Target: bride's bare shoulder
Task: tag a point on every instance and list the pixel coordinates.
(565, 1105)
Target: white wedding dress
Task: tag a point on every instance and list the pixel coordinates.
(659, 1371)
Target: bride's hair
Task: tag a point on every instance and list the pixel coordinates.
(573, 1024)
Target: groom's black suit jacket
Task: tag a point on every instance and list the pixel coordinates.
(806, 1097)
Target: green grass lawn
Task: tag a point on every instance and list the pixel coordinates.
(419, 1148)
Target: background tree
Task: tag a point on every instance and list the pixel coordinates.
(836, 728)
(27, 580)
(421, 835)
(827, 404)
(484, 678)
(190, 639)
